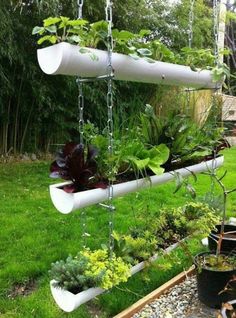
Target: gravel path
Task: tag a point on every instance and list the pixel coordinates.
(179, 302)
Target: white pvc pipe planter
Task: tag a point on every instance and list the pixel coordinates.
(67, 202)
(68, 301)
(66, 59)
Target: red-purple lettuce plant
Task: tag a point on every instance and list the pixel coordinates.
(77, 163)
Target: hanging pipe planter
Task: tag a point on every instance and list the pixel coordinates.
(66, 59)
(68, 301)
(67, 202)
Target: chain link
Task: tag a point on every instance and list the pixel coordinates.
(191, 19)
(109, 37)
(80, 87)
(81, 110)
(81, 128)
(190, 40)
(214, 98)
(188, 112)
(84, 227)
(110, 126)
(216, 30)
(80, 9)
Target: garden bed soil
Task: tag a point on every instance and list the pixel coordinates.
(176, 298)
(23, 289)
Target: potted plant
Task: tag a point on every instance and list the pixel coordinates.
(138, 163)
(214, 270)
(138, 251)
(80, 167)
(63, 57)
(187, 143)
(66, 202)
(81, 278)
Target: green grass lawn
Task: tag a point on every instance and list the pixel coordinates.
(33, 235)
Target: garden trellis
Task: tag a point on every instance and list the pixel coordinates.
(68, 59)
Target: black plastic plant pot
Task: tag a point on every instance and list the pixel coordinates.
(211, 282)
(228, 242)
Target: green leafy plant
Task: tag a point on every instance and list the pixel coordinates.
(180, 134)
(93, 35)
(219, 262)
(131, 156)
(142, 159)
(171, 225)
(200, 57)
(201, 218)
(143, 246)
(135, 249)
(89, 269)
(60, 29)
(137, 45)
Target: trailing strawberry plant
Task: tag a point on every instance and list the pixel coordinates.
(137, 45)
(60, 29)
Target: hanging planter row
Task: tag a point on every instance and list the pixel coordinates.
(67, 59)
(67, 202)
(68, 301)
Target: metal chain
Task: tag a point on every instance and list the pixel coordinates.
(188, 108)
(84, 228)
(110, 125)
(215, 93)
(80, 87)
(81, 128)
(190, 40)
(80, 9)
(216, 20)
(191, 19)
(81, 111)
(216, 30)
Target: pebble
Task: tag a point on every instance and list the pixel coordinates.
(180, 301)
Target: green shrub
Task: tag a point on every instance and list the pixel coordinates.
(201, 218)
(169, 225)
(135, 249)
(114, 270)
(70, 274)
(89, 269)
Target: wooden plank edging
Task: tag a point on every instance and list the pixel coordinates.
(129, 312)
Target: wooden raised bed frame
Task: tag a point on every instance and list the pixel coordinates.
(129, 312)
